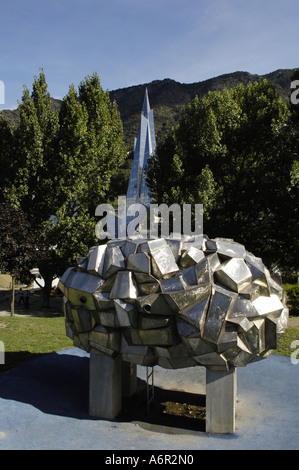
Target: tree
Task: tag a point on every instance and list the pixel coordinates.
(17, 249)
(32, 186)
(233, 150)
(62, 169)
(287, 219)
(106, 149)
(6, 156)
(294, 125)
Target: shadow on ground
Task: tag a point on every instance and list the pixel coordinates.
(58, 384)
(170, 408)
(34, 307)
(15, 358)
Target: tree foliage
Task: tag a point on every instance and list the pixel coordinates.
(233, 151)
(61, 168)
(6, 156)
(17, 249)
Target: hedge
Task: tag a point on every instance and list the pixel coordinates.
(292, 291)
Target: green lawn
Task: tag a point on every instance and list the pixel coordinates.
(285, 343)
(28, 338)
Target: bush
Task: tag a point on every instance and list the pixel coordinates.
(292, 291)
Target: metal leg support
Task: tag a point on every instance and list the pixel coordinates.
(105, 390)
(150, 389)
(129, 379)
(221, 391)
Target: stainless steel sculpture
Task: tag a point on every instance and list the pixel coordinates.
(174, 303)
(145, 145)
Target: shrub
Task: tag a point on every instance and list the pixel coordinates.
(292, 291)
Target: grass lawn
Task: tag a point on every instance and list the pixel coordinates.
(285, 343)
(26, 338)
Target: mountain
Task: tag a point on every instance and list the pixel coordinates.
(13, 115)
(168, 98)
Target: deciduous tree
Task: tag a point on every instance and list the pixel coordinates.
(233, 152)
(17, 248)
(62, 169)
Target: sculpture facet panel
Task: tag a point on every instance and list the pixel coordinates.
(165, 302)
(145, 145)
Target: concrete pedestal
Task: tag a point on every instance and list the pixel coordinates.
(105, 389)
(109, 380)
(221, 392)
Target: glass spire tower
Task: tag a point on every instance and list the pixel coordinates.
(145, 145)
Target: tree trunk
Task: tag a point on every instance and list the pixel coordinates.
(12, 307)
(47, 291)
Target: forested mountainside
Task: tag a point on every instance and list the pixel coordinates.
(168, 98)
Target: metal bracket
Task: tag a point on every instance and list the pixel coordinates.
(149, 387)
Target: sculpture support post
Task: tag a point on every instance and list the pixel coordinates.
(221, 391)
(105, 390)
(129, 379)
(109, 380)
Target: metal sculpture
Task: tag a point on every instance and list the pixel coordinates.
(175, 303)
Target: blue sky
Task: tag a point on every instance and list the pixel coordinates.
(128, 42)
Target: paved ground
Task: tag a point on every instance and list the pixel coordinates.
(35, 302)
(44, 405)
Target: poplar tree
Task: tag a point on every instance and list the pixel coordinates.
(105, 145)
(62, 168)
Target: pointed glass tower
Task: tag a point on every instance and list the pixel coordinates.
(145, 145)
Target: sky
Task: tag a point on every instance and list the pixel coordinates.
(130, 42)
